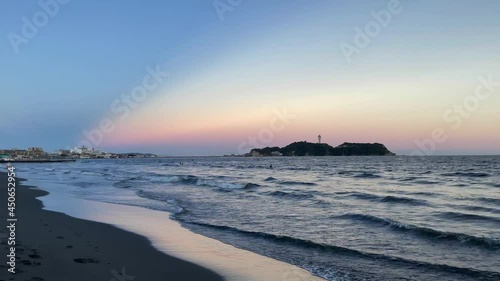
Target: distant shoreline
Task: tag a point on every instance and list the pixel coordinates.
(37, 160)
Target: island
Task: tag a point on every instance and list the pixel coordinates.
(304, 148)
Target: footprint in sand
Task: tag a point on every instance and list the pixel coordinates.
(89, 260)
(35, 252)
(26, 262)
(34, 256)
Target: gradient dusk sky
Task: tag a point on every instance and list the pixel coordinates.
(232, 74)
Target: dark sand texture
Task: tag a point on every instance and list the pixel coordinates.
(52, 246)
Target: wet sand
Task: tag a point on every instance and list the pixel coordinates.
(52, 246)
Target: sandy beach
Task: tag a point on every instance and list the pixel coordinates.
(101, 241)
(52, 246)
(232, 140)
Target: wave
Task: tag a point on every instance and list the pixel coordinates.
(476, 208)
(187, 179)
(182, 179)
(471, 217)
(250, 185)
(197, 181)
(279, 238)
(424, 193)
(418, 180)
(175, 207)
(361, 195)
(415, 180)
(297, 183)
(299, 169)
(485, 242)
(220, 185)
(221, 177)
(366, 175)
(385, 199)
(89, 173)
(296, 195)
(83, 184)
(311, 245)
(359, 174)
(466, 174)
(426, 182)
(488, 200)
(408, 179)
(241, 167)
(122, 184)
(406, 200)
(126, 183)
(320, 203)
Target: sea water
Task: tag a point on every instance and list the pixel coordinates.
(341, 218)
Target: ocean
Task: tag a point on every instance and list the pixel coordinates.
(341, 218)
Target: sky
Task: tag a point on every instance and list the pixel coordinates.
(220, 77)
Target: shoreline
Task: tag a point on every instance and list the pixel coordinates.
(200, 256)
(53, 246)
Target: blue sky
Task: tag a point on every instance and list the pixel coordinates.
(226, 76)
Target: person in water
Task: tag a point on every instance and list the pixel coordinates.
(271, 166)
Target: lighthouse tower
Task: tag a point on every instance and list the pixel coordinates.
(319, 138)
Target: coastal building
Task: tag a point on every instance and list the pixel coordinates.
(63, 152)
(5, 157)
(90, 153)
(85, 150)
(36, 152)
(79, 150)
(255, 152)
(15, 153)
